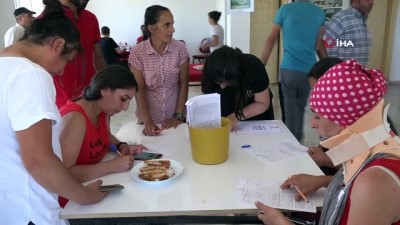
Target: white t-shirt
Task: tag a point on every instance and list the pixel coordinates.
(13, 35)
(27, 95)
(217, 30)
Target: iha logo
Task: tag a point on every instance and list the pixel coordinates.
(338, 43)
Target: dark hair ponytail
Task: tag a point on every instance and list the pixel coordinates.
(113, 77)
(151, 17)
(214, 15)
(53, 24)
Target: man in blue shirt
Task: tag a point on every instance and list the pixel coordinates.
(302, 24)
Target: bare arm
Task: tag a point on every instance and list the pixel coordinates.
(270, 43)
(261, 104)
(375, 195)
(183, 87)
(150, 127)
(47, 169)
(99, 62)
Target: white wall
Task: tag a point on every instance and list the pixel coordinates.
(395, 65)
(124, 18)
(7, 8)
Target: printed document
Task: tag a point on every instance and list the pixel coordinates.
(277, 151)
(204, 111)
(270, 193)
(258, 127)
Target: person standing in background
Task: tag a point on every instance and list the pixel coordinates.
(78, 73)
(349, 26)
(161, 66)
(24, 18)
(216, 39)
(109, 48)
(301, 23)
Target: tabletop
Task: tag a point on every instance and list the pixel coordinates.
(200, 189)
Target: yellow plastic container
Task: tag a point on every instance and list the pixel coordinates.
(210, 145)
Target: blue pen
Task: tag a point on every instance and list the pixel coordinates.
(246, 146)
(115, 149)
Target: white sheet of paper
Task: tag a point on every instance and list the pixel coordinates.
(270, 193)
(153, 148)
(204, 111)
(258, 127)
(277, 151)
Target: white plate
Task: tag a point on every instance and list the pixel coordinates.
(175, 165)
(198, 67)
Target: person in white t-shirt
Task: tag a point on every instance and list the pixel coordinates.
(216, 39)
(31, 170)
(24, 18)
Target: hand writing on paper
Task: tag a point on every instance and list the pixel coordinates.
(307, 184)
(233, 120)
(170, 123)
(270, 215)
(132, 149)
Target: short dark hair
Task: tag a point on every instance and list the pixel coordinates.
(53, 24)
(215, 15)
(105, 30)
(323, 65)
(113, 77)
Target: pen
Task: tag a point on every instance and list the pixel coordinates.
(301, 193)
(114, 149)
(246, 146)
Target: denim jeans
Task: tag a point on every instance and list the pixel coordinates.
(295, 90)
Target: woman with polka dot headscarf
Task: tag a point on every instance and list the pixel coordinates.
(349, 110)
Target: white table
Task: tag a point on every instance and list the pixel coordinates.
(200, 189)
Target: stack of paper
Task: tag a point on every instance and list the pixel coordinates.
(204, 111)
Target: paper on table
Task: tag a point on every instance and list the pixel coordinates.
(204, 111)
(277, 151)
(153, 148)
(258, 127)
(270, 193)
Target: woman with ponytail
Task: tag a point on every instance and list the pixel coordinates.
(31, 168)
(85, 134)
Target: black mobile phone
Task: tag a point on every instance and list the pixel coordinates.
(147, 156)
(112, 187)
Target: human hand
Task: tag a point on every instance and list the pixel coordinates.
(319, 156)
(306, 183)
(233, 120)
(93, 194)
(170, 123)
(150, 129)
(132, 149)
(271, 216)
(122, 164)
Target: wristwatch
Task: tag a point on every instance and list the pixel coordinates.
(179, 116)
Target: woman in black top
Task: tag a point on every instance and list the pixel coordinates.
(242, 81)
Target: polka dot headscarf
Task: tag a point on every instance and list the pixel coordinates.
(346, 92)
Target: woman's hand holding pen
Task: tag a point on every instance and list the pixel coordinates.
(306, 184)
(122, 163)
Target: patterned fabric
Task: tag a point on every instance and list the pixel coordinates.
(161, 76)
(348, 25)
(346, 92)
(337, 194)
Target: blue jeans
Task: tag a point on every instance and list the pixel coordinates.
(295, 90)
